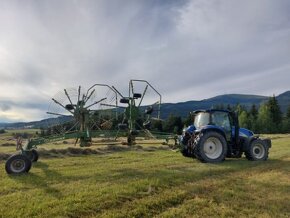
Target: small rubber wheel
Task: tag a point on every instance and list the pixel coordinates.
(18, 164)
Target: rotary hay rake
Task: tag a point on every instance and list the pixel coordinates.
(95, 113)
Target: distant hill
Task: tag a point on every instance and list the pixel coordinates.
(36, 124)
(284, 101)
(183, 108)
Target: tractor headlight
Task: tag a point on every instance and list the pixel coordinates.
(183, 131)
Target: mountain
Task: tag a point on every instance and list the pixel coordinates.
(183, 108)
(36, 124)
(284, 101)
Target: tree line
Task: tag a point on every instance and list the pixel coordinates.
(268, 118)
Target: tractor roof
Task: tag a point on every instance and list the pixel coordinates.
(211, 110)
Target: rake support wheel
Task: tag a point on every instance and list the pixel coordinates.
(18, 164)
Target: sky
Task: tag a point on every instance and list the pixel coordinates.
(187, 49)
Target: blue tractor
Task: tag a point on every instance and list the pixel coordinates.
(215, 135)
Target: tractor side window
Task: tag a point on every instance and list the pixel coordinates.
(201, 119)
(221, 119)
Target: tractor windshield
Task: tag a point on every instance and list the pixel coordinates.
(201, 119)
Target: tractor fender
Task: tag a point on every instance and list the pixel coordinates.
(247, 141)
(213, 128)
(267, 141)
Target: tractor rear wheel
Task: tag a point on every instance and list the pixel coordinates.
(258, 150)
(211, 147)
(17, 164)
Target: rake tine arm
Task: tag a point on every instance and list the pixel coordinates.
(117, 91)
(62, 105)
(143, 95)
(76, 141)
(154, 90)
(68, 97)
(123, 121)
(96, 102)
(87, 98)
(79, 93)
(55, 114)
(111, 105)
(73, 126)
(131, 89)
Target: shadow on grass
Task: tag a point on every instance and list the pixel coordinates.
(33, 180)
(169, 175)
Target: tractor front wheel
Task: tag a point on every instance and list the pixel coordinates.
(18, 164)
(211, 147)
(258, 150)
(186, 153)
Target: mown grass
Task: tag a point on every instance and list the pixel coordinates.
(150, 183)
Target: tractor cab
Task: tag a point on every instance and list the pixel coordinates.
(215, 134)
(223, 121)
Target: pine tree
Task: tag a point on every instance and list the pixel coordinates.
(286, 121)
(243, 119)
(254, 111)
(188, 120)
(229, 107)
(264, 121)
(173, 124)
(253, 116)
(275, 114)
(288, 112)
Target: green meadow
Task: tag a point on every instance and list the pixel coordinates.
(146, 180)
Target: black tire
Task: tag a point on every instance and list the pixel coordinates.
(186, 153)
(32, 155)
(17, 164)
(186, 150)
(258, 150)
(211, 147)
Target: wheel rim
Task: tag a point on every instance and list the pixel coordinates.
(18, 165)
(258, 151)
(213, 148)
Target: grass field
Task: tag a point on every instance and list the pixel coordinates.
(148, 181)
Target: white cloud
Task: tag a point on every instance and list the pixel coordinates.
(188, 49)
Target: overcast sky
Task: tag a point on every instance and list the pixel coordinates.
(189, 50)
